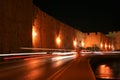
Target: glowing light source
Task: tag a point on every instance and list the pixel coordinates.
(34, 36)
(58, 40)
(113, 48)
(105, 45)
(101, 45)
(82, 43)
(34, 33)
(109, 46)
(75, 43)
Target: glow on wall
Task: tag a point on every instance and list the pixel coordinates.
(82, 43)
(75, 43)
(101, 45)
(58, 41)
(34, 36)
(106, 46)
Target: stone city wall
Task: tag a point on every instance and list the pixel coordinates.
(15, 25)
(116, 37)
(99, 39)
(48, 29)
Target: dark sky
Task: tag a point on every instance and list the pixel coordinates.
(87, 16)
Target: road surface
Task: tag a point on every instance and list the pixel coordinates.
(35, 68)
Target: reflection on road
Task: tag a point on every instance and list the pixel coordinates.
(106, 67)
(61, 60)
(104, 71)
(33, 68)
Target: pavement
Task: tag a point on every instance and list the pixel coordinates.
(78, 69)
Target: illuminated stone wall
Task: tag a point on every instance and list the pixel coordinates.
(15, 25)
(24, 25)
(116, 36)
(101, 40)
(91, 39)
(48, 29)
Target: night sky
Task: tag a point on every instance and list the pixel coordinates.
(86, 16)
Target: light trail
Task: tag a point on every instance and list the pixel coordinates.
(16, 54)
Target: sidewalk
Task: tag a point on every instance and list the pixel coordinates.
(79, 69)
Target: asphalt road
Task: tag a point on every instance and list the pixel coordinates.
(105, 66)
(35, 68)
